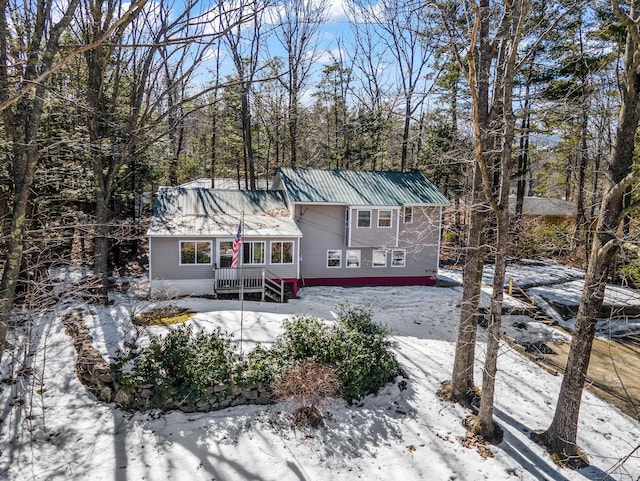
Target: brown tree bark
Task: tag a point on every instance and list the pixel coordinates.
(22, 116)
(479, 64)
(508, 36)
(492, 65)
(462, 381)
(561, 436)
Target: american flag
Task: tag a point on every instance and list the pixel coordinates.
(237, 242)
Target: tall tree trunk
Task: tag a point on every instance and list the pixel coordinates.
(214, 122)
(523, 161)
(247, 134)
(293, 126)
(101, 244)
(24, 170)
(405, 134)
(561, 436)
(494, 126)
(583, 159)
(214, 144)
(22, 120)
(462, 383)
(500, 206)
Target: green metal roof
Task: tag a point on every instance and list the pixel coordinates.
(206, 201)
(181, 211)
(358, 187)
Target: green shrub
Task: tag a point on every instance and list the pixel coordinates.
(185, 367)
(366, 359)
(260, 368)
(304, 337)
(180, 365)
(359, 348)
(358, 319)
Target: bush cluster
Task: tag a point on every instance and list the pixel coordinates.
(183, 365)
(360, 349)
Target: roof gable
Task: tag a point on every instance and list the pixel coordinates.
(358, 187)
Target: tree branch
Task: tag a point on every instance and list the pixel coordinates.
(132, 11)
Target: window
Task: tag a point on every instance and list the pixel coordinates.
(195, 253)
(353, 258)
(408, 214)
(384, 218)
(282, 252)
(225, 250)
(253, 252)
(398, 257)
(334, 258)
(364, 218)
(379, 258)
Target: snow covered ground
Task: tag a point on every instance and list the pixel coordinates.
(62, 433)
(552, 285)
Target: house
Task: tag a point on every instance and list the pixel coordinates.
(546, 209)
(191, 239)
(314, 227)
(364, 227)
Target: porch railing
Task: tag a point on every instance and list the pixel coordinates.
(248, 280)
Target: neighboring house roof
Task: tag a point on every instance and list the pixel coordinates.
(181, 211)
(358, 187)
(544, 207)
(221, 183)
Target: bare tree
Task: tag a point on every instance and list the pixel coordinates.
(244, 41)
(128, 92)
(371, 87)
(296, 24)
(509, 32)
(561, 436)
(409, 36)
(29, 43)
(270, 100)
(491, 62)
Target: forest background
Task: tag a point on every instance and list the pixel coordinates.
(104, 101)
(178, 91)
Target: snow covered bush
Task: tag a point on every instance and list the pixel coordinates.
(258, 369)
(203, 369)
(305, 338)
(180, 366)
(366, 360)
(360, 350)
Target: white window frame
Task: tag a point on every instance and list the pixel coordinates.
(373, 256)
(271, 261)
(390, 218)
(356, 253)
(195, 263)
(408, 209)
(404, 257)
(339, 251)
(358, 219)
(251, 246)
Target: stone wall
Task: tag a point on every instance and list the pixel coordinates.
(95, 373)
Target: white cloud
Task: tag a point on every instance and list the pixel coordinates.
(336, 10)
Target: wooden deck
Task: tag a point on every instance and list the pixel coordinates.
(247, 280)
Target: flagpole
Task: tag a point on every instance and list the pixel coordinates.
(241, 260)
